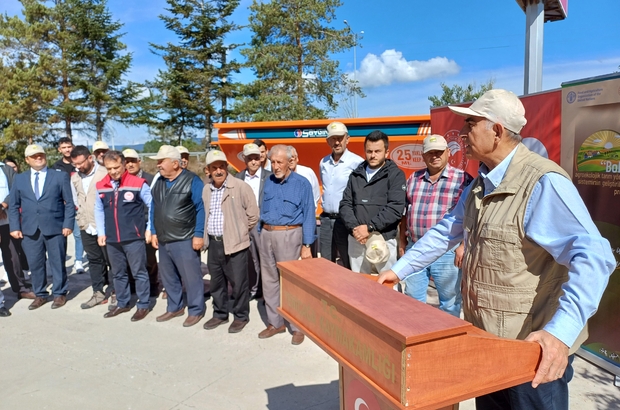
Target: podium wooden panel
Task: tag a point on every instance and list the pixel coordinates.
(408, 354)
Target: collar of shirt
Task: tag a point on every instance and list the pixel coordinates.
(43, 171)
(213, 188)
(426, 176)
(343, 158)
(493, 178)
(92, 171)
(257, 174)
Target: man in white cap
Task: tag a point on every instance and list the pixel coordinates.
(255, 176)
(431, 193)
(177, 221)
(99, 150)
(184, 156)
(47, 217)
(535, 265)
(133, 164)
(335, 169)
(232, 214)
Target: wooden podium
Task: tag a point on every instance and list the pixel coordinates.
(395, 352)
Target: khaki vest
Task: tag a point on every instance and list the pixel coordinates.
(511, 286)
(86, 200)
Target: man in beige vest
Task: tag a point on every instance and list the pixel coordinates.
(84, 181)
(535, 266)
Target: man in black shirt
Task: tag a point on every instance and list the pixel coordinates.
(65, 146)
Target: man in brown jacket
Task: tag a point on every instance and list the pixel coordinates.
(232, 213)
(84, 181)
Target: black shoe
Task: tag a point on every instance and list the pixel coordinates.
(4, 312)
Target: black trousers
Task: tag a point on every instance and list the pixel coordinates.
(12, 258)
(97, 263)
(224, 269)
(334, 241)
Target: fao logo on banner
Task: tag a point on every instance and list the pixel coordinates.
(457, 149)
(571, 97)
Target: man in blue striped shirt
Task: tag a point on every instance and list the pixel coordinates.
(287, 224)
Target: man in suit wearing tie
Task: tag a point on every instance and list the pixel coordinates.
(47, 218)
(254, 175)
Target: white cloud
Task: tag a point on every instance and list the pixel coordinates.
(391, 67)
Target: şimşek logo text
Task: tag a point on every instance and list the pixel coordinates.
(310, 133)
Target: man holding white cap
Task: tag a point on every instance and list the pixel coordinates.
(431, 193)
(99, 150)
(177, 221)
(184, 156)
(535, 265)
(255, 176)
(232, 213)
(47, 217)
(335, 169)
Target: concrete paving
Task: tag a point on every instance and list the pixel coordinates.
(75, 359)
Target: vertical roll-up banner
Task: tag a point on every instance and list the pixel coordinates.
(591, 152)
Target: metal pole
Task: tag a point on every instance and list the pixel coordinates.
(534, 34)
(355, 76)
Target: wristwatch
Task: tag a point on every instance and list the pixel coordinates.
(306, 246)
(371, 228)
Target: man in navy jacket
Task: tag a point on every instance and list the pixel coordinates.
(47, 216)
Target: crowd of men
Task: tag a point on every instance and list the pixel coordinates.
(515, 249)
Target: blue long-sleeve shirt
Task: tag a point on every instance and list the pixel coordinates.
(197, 186)
(557, 220)
(145, 195)
(289, 202)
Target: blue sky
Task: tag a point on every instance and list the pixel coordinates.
(410, 46)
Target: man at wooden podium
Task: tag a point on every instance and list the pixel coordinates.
(535, 266)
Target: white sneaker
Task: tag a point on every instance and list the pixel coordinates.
(78, 267)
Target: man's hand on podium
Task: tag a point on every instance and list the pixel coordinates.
(388, 276)
(554, 357)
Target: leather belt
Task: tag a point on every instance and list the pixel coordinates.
(268, 227)
(217, 238)
(330, 215)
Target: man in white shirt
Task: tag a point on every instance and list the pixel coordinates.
(254, 175)
(84, 183)
(335, 169)
(307, 173)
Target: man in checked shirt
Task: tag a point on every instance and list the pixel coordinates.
(431, 193)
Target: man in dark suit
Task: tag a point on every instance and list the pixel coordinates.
(254, 175)
(47, 218)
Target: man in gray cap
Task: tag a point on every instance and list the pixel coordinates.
(255, 176)
(535, 266)
(431, 193)
(335, 169)
(232, 213)
(177, 221)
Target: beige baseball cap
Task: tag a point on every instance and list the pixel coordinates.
(182, 149)
(249, 149)
(130, 153)
(499, 106)
(336, 129)
(434, 142)
(98, 145)
(377, 250)
(33, 150)
(167, 151)
(214, 156)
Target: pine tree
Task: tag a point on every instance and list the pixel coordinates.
(192, 93)
(290, 54)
